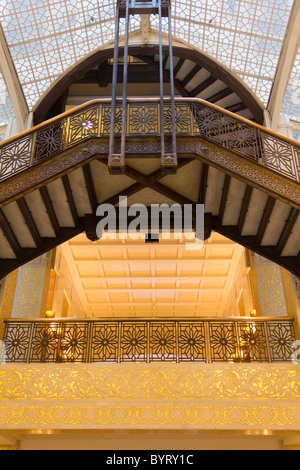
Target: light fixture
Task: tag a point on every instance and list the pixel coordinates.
(253, 313)
(50, 314)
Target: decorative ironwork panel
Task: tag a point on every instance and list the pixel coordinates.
(83, 125)
(281, 337)
(162, 341)
(49, 141)
(183, 119)
(191, 342)
(17, 341)
(134, 341)
(208, 340)
(73, 344)
(241, 138)
(143, 119)
(223, 341)
(105, 342)
(209, 123)
(15, 157)
(278, 155)
(45, 343)
(193, 117)
(252, 342)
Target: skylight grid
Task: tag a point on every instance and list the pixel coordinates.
(291, 102)
(6, 108)
(46, 37)
(245, 36)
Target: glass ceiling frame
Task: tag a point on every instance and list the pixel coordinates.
(46, 37)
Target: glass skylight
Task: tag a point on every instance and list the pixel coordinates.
(46, 37)
(6, 108)
(291, 102)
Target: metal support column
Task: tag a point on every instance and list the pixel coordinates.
(116, 160)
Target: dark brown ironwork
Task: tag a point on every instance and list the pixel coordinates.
(193, 118)
(125, 8)
(205, 340)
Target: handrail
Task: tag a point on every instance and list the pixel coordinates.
(162, 319)
(203, 339)
(194, 117)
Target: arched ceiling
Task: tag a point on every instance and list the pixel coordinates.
(40, 40)
(195, 75)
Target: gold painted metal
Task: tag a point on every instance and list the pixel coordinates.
(201, 340)
(189, 397)
(193, 116)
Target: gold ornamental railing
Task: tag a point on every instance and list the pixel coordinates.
(193, 117)
(206, 340)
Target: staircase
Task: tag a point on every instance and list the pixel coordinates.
(54, 175)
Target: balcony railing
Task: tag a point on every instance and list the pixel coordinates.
(193, 117)
(206, 340)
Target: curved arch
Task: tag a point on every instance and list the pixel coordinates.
(231, 81)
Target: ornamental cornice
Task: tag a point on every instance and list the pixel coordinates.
(150, 396)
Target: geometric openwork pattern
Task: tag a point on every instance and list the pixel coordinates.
(193, 117)
(205, 340)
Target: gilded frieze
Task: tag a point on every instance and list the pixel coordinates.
(144, 396)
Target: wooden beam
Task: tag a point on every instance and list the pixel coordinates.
(9, 234)
(224, 197)
(28, 254)
(191, 75)
(290, 263)
(203, 183)
(209, 81)
(220, 95)
(134, 188)
(171, 194)
(70, 199)
(245, 207)
(288, 228)
(178, 66)
(235, 108)
(265, 219)
(50, 209)
(90, 187)
(29, 221)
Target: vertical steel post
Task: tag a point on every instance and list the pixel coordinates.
(114, 92)
(125, 79)
(161, 80)
(171, 66)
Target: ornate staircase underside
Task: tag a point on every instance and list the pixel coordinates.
(54, 175)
